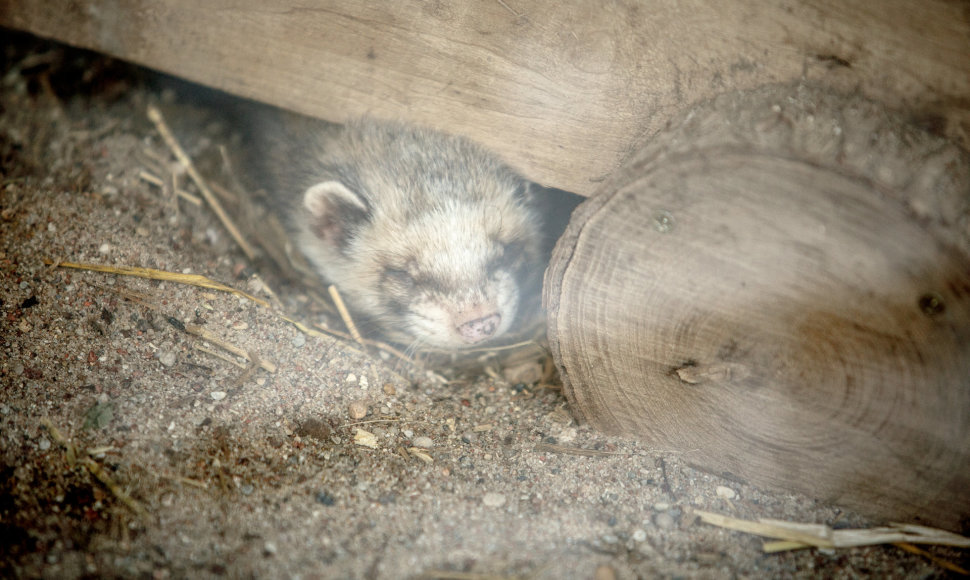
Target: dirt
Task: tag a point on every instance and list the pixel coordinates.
(131, 447)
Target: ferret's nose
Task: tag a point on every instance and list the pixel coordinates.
(479, 329)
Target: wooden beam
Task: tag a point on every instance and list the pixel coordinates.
(564, 91)
(779, 288)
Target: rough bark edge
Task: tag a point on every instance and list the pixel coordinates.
(784, 119)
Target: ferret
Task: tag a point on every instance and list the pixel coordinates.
(428, 236)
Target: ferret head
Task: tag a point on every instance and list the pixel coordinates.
(432, 240)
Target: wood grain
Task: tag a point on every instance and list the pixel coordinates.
(565, 91)
(781, 287)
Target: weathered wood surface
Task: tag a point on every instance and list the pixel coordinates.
(564, 90)
(780, 287)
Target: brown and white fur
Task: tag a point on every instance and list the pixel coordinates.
(427, 235)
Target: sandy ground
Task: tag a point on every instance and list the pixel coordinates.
(170, 457)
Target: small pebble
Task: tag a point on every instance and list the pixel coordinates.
(166, 357)
(98, 415)
(299, 340)
(44, 444)
(525, 373)
(364, 383)
(664, 521)
(104, 248)
(269, 549)
(217, 395)
(357, 410)
(351, 378)
(604, 572)
(365, 439)
(247, 489)
(423, 442)
(419, 453)
(661, 506)
(725, 492)
(389, 390)
(639, 535)
(492, 499)
(567, 435)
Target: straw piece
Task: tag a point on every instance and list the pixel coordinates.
(189, 279)
(800, 535)
(208, 336)
(95, 469)
(344, 313)
(156, 117)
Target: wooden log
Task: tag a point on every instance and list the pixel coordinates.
(779, 287)
(564, 91)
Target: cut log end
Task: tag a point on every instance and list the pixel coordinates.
(781, 285)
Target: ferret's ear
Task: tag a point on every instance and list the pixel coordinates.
(334, 211)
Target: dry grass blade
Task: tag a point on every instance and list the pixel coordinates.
(344, 313)
(186, 481)
(352, 328)
(187, 279)
(156, 117)
(203, 282)
(498, 348)
(390, 350)
(932, 558)
(98, 472)
(302, 327)
(220, 356)
(356, 423)
(157, 182)
(251, 357)
(550, 448)
(449, 575)
(799, 535)
(95, 469)
(151, 178)
(421, 454)
(455, 575)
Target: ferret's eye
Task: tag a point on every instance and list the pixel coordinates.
(398, 277)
